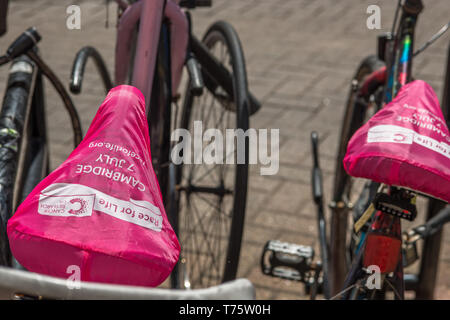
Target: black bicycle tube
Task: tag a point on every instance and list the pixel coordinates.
(74, 117)
(36, 164)
(242, 115)
(215, 74)
(76, 77)
(399, 74)
(354, 273)
(317, 187)
(166, 143)
(402, 62)
(15, 106)
(159, 117)
(3, 16)
(446, 94)
(431, 247)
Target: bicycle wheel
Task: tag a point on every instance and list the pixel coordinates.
(212, 197)
(432, 245)
(347, 191)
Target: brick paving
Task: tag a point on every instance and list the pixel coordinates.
(301, 55)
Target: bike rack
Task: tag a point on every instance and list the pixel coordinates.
(17, 284)
(76, 77)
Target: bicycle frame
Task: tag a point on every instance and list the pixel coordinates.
(153, 13)
(397, 74)
(159, 57)
(150, 14)
(400, 70)
(25, 156)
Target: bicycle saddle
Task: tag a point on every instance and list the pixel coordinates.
(405, 144)
(101, 210)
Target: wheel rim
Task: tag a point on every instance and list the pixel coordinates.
(347, 190)
(207, 190)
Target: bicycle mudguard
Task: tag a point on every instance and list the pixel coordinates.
(100, 214)
(14, 282)
(405, 144)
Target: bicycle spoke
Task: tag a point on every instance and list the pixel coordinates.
(397, 294)
(205, 237)
(344, 291)
(209, 170)
(208, 187)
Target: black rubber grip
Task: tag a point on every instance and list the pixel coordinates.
(317, 188)
(23, 43)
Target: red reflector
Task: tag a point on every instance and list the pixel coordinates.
(382, 251)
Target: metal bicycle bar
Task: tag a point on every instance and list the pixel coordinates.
(74, 117)
(17, 98)
(317, 187)
(26, 44)
(79, 64)
(214, 73)
(14, 282)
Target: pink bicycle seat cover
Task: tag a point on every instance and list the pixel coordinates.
(100, 213)
(405, 144)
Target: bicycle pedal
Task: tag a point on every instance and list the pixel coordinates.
(396, 205)
(287, 260)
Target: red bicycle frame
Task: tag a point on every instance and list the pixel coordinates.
(149, 14)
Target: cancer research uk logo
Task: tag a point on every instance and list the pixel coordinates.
(216, 147)
(66, 205)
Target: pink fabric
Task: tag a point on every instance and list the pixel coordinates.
(101, 210)
(405, 144)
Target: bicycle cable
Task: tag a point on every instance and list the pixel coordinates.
(393, 289)
(436, 36)
(397, 10)
(73, 114)
(344, 291)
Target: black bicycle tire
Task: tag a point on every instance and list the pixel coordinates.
(432, 245)
(338, 231)
(446, 89)
(240, 88)
(12, 122)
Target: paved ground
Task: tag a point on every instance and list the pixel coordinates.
(301, 55)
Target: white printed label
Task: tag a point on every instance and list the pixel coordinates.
(65, 205)
(396, 134)
(62, 199)
(390, 133)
